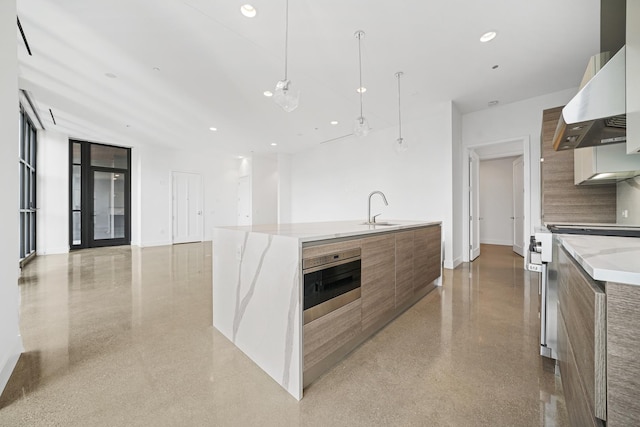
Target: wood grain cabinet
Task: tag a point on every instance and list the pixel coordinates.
(598, 347)
(426, 261)
(562, 200)
(404, 267)
(582, 342)
(398, 268)
(378, 279)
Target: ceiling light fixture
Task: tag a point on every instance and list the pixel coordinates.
(362, 126)
(273, 144)
(248, 10)
(361, 90)
(284, 96)
(334, 122)
(267, 93)
(488, 36)
(495, 67)
(213, 129)
(493, 103)
(400, 144)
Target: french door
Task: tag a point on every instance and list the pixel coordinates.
(100, 202)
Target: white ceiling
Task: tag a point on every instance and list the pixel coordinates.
(214, 64)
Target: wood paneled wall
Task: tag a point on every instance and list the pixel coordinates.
(562, 200)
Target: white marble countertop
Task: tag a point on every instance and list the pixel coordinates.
(606, 258)
(314, 231)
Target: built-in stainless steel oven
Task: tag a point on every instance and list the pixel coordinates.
(330, 282)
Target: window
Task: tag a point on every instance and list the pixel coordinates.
(28, 142)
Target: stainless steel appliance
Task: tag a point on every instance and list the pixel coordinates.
(330, 282)
(541, 258)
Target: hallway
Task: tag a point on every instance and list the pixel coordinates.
(123, 336)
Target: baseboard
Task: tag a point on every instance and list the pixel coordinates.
(53, 251)
(12, 358)
(496, 242)
(156, 243)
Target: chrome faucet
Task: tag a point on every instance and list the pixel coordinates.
(370, 219)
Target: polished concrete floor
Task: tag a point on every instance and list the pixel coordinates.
(123, 336)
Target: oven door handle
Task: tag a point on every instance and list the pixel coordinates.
(331, 264)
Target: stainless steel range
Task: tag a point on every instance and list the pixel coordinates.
(541, 260)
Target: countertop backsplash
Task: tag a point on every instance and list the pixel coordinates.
(628, 199)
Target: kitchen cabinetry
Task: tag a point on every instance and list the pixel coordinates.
(378, 279)
(427, 243)
(404, 267)
(398, 268)
(328, 334)
(581, 342)
(598, 346)
(562, 200)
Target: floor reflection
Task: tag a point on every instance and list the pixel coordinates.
(123, 336)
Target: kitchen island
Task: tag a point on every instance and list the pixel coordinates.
(258, 296)
(599, 328)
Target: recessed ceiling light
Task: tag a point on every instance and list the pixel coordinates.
(495, 67)
(493, 103)
(361, 89)
(248, 11)
(213, 129)
(334, 122)
(273, 144)
(488, 36)
(111, 75)
(267, 93)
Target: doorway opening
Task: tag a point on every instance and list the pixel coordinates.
(515, 218)
(100, 195)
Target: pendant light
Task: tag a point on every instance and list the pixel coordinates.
(400, 144)
(362, 126)
(284, 95)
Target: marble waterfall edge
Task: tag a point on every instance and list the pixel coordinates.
(257, 301)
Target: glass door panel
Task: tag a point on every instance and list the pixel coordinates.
(108, 205)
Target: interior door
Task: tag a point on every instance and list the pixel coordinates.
(518, 206)
(187, 207)
(474, 206)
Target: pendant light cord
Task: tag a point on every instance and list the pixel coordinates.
(360, 34)
(399, 113)
(286, 40)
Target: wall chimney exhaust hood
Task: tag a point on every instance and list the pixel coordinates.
(597, 114)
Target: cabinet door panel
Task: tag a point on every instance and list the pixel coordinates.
(404, 267)
(378, 279)
(582, 309)
(327, 334)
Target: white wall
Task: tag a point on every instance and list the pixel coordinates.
(52, 193)
(333, 181)
(284, 189)
(496, 201)
(219, 176)
(516, 121)
(10, 340)
(264, 189)
(628, 199)
(151, 223)
(458, 164)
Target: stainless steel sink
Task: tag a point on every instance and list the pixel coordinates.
(387, 224)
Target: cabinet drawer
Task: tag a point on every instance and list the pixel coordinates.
(582, 305)
(327, 334)
(575, 396)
